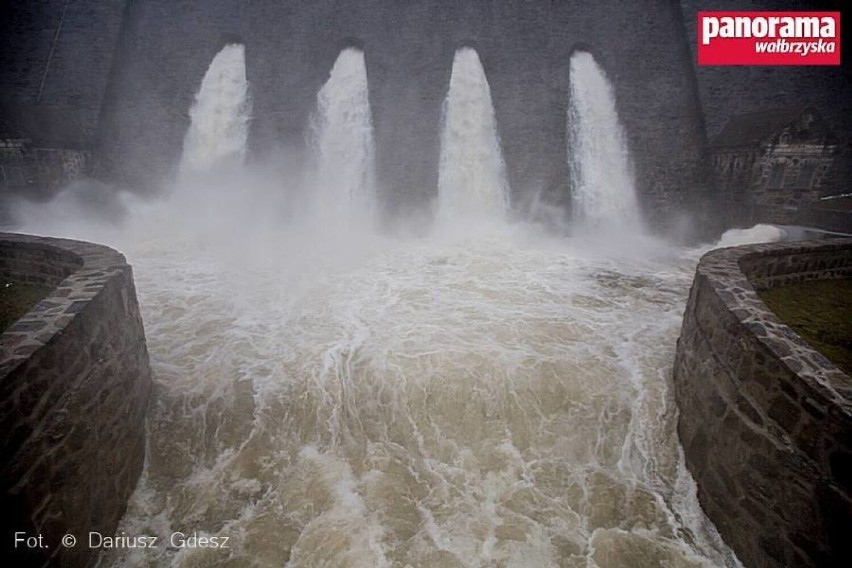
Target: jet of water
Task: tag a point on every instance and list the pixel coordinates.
(602, 172)
(472, 174)
(342, 139)
(218, 133)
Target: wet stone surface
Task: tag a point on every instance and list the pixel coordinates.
(74, 387)
(762, 414)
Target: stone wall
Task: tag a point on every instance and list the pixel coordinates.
(74, 387)
(752, 195)
(765, 420)
(39, 172)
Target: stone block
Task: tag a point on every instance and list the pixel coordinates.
(69, 381)
(766, 421)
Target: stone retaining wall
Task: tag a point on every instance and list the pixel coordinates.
(765, 420)
(74, 386)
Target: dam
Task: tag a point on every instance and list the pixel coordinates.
(326, 391)
(411, 275)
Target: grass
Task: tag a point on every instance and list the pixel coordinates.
(16, 299)
(820, 311)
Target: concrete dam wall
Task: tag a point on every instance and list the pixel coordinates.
(120, 75)
(525, 50)
(56, 61)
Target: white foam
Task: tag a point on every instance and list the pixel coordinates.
(760, 233)
(389, 401)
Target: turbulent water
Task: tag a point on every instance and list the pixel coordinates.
(502, 398)
(499, 399)
(601, 168)
(488, 395)
(218, 132)
(759, 233)
(342, 139)
(472, 177)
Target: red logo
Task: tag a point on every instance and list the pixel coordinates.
(768, 38)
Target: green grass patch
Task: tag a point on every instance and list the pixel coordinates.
(16, 299)
(820, 311)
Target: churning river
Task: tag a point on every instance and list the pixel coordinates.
(487, 395)
(501, 398)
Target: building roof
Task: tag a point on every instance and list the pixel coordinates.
(754, 128)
